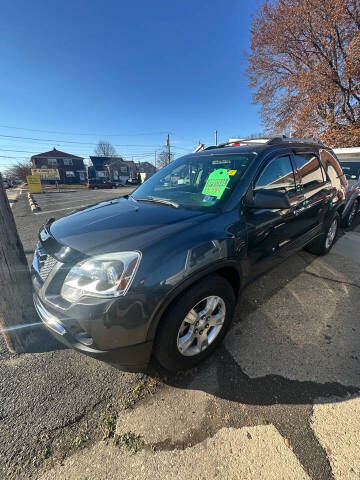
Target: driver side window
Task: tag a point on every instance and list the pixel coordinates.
(278, 175)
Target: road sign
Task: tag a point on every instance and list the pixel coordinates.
(46, 173)
(34, 183)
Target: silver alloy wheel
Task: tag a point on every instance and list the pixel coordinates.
(331, 233)
(201, 326)
(353, 212)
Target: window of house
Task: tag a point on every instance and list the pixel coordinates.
(69, 173)
(68, 161)
(277, 175)
(52, 161)
(308, 167)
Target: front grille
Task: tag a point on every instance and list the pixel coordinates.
(43, 263)
(46, 267)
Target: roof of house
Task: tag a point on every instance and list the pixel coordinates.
(148, 164)
(56, 154)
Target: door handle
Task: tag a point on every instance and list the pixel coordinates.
(298, 211)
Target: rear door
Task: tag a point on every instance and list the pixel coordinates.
(316, 193)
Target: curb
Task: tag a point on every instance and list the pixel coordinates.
(32, 203)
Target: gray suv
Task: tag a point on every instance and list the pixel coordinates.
(159, 272)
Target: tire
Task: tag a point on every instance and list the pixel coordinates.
(322, 244)
(348, 220)
(171, 330)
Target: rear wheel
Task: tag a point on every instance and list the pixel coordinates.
(195, 324)
(324, 243)
(348, 220)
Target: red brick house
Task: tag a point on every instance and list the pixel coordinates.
(71, 167)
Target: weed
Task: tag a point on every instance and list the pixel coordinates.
(130, 440)
(263, 421)
(79, 440)
(145, 386)
(109, 424)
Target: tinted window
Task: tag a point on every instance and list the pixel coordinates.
(277, 175)
(351, 169)
(308, 167)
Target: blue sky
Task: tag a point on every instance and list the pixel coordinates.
(122, 69)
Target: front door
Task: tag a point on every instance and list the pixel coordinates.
(272, 232)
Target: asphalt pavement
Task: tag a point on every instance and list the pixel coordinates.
(278, 400)
(58, 204)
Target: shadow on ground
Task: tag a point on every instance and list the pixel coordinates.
(295, 341)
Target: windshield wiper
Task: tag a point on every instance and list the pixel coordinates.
(159, 200)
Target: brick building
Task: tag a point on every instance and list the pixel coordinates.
(71, 167)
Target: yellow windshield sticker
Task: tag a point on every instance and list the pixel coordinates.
(231, 173)
(216, 183)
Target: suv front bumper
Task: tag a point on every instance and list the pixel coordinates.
(131, 358)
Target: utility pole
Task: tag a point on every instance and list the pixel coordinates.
(168, 146)
(17, 312)
(215, 137)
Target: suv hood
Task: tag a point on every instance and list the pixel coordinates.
(121, 224)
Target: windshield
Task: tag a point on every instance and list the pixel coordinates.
(197, 182)
(351, 170)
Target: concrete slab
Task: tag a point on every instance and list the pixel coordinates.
(343, 262)
(309, 329)
(337, 426)
(161, 423)
(254, 453)
(317, 340)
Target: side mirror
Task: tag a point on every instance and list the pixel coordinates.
(270, 199)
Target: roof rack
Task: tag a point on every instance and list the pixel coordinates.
(285, 139)
(235, 142)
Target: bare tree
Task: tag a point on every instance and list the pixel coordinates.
(163, 159)
(105, 149)
(19, 170)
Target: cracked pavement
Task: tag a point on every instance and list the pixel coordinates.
(278, 400)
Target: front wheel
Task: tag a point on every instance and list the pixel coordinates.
(324, 243)
(195, 324)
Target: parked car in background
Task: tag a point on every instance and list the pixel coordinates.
(95, 183)
(352, 173)
(159, 271)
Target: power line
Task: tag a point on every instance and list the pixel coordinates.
(73, 141)
(86, 134)
(84, 154)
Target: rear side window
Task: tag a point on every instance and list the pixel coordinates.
(278, 175)
(309, 169)
(333, 169)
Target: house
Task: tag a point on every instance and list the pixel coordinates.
(114, 168)
(147, 167)
(350, 154)
(70, 167)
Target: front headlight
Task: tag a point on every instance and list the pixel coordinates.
(108, 275)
